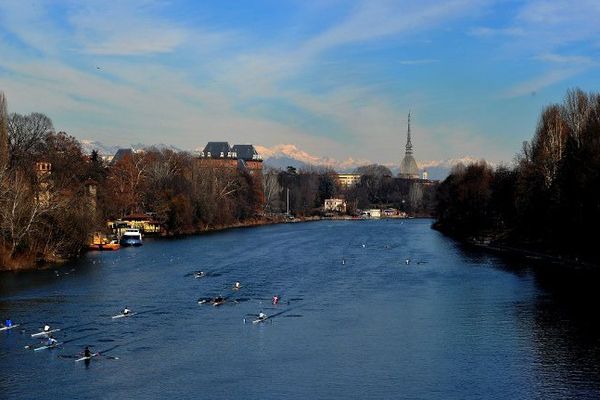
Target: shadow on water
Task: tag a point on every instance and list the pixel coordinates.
(561, 322)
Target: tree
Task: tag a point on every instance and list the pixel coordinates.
(272, 189)
(26, 135)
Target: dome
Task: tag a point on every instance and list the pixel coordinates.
(408, 168)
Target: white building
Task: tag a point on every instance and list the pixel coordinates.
(372, 213)
(338, 205)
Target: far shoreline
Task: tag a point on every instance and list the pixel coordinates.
(254, 223)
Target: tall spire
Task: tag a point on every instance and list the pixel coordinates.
(408, 142)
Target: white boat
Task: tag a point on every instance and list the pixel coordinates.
(6, 328)
(88, 357)
(123, 315)
(50, 346)
(44, 333)
(131, 237)
(259, 320)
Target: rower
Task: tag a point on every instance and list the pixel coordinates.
(8, 323)
(87, 352)
(218, 299)
(46, 328)
(237, 285)
(343, 261)
(262, 315)
(125, 311)
(275, 299)
(199, 274)
(407, 261)
(51, 341)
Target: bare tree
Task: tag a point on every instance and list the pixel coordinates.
(549, 142)
(272, 189)
(575, 110)
(26, 133)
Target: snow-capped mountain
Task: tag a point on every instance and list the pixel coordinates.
(283, 155)
(89, 145)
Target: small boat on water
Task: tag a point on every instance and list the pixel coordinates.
(131, 237)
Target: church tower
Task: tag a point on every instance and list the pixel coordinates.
(408, 166)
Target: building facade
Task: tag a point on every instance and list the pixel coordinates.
(335, 205)
(346, 181)
(240, 156)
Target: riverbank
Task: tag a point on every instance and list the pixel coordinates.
(30, 262)
(491, 244)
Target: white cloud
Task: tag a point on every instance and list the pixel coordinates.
(564, 59)
(540, 82)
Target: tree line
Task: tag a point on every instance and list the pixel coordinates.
(308, 188)
(549, 200)
(53, 196)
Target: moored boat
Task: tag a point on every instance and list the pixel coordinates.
(131, 237)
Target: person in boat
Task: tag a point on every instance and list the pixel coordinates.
(262, 315)
(46, 328)
(218, 299)
(199, 274)
(7, 323)
(275, 299)
(126, 311)
(87, 352)
(237, 285)
(51, 341)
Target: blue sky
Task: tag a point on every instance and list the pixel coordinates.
(335, 78)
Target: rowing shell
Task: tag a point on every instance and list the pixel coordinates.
(122, 315)
(46, 333)
(47, 346)
(259, 320)
(6, 328)
(87, 358)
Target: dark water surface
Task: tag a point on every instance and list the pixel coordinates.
(452, 324)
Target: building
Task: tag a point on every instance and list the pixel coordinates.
(408, 166)
(241, 156)
(337, 205)
(372, 213)
(43, 171)
(144, 222)
(248, 158)
(346, 181)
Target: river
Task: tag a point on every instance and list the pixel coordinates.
(355, 320)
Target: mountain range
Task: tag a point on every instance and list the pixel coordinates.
(283, 155)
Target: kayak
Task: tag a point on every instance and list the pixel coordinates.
(88, 357)
(6, 328)
(51, 346)
(123, 315)
(44, 333)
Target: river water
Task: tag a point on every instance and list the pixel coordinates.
(354, 321)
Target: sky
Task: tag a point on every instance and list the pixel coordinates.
(334, 78)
